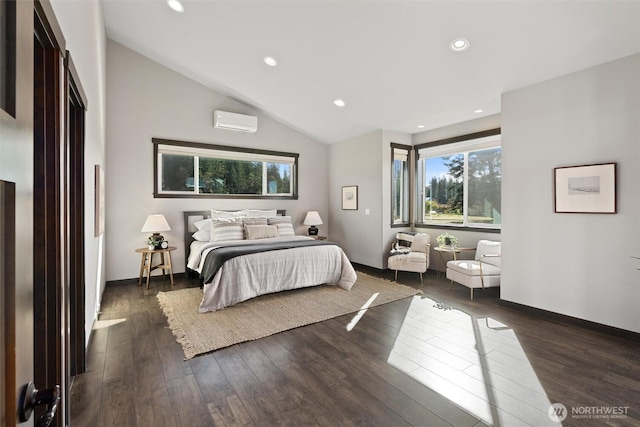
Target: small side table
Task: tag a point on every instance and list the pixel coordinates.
(319, 237)
(147, 260)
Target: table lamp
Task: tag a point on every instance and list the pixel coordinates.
(313, 219)
(156, 223)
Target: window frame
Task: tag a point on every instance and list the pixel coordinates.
(488, 228)
(408, 176)
(198, 148)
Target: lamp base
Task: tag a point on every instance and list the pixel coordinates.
(156, 240)
(313, 230)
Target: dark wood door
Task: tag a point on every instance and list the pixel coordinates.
(47, 204)
(7, 297)
(41, 208)
(74, 214)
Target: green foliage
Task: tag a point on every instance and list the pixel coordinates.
(230, 176)
(445, 193)
(176, 172)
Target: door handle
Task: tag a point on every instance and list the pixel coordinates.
(30, 398)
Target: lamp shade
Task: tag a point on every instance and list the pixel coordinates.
(312, 218)
(155, 223)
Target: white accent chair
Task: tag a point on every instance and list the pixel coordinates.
(481, 272)
(410, 252)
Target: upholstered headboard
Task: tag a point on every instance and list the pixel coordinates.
(192, 216)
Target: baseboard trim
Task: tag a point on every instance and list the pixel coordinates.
(365, 268)
(176, 276)
(587, 324)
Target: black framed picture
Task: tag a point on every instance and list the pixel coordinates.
(585, 189)
(350, 198)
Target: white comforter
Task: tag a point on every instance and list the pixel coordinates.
(248, 276)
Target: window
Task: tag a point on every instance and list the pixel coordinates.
(459, 181)
(184, 169)
(400, 184)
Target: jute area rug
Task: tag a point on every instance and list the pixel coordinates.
(268, 314)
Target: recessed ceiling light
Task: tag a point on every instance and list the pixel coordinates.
(175, 5)
(420, 126)
(270, 61)
(339, 103)
(478, 111)
(459, 45)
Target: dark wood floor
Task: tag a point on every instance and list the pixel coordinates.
(437, 359)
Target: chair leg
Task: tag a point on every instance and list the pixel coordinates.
(471, 293)
(451, 285)
(396, 275)
(421, 278)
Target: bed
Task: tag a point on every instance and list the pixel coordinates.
(266, 258)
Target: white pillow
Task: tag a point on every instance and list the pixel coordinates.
(232, 230)
(202, 235)
(285, 227)
(255, 232)
(420, 242)
(227, 214)
(255, 213)
(254, 221)
(285, 230)
(203, 224)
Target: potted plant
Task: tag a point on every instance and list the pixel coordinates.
(446, 239)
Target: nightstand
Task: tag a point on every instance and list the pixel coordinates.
(147, 260)
(319, 237)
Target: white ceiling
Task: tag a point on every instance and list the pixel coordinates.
(389, 60)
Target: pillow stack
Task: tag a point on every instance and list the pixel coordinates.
(248, 224)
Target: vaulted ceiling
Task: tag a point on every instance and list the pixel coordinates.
(390, 61)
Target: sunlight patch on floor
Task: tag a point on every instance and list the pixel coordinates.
(352, 324)
(476, 363)
(100, 324)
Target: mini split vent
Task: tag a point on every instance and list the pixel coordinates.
(234, 121)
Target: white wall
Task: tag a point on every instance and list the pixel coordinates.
(357, 162)
(579, 265)
(83, 27)
(364, 161)
(146, 100)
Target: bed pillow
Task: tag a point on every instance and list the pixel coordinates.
(227, 214)
(254, 213)
(255, 232)
(231, 230)
(253, 221)
(202, 235)
(202, 224)
(205, 224)
(285, 227)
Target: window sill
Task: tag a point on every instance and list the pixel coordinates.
(460, 228)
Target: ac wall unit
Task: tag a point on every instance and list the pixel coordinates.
(234, 121)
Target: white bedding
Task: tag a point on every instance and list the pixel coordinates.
(248, 276)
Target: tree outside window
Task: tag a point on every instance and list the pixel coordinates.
(400, 192)
(461, 184)
(222, 171)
